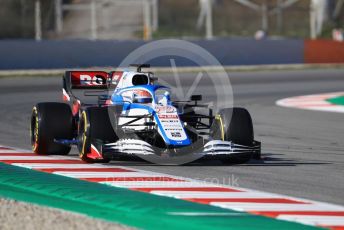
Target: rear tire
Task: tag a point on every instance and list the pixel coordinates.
(94, 126)
(50, 121)
(234, 124)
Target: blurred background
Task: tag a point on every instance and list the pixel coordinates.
(155, 19)
(48, 34)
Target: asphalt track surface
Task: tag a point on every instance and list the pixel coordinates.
(303, 151)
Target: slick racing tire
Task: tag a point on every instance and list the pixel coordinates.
(51, 121)
(234, 124)
(94, 128)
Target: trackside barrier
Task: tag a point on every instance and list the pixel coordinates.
(323, 51)
(29, 54)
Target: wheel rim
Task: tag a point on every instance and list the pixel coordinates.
(34, 129)
(82, 138)
(217, 129)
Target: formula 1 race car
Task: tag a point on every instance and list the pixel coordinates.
(111, 115)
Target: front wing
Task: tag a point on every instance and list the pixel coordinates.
(214, 148)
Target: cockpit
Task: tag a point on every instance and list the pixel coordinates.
(152, 94)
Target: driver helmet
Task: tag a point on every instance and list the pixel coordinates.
(142, 96)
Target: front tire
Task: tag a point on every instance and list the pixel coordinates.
(94, 126)
(51, 121)
(234, 124)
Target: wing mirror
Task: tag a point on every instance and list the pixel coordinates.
(196, 98)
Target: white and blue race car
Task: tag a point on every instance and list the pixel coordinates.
(120, 114)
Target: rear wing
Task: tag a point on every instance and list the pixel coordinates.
(85, 80)
(84, 87)
(80, 84)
